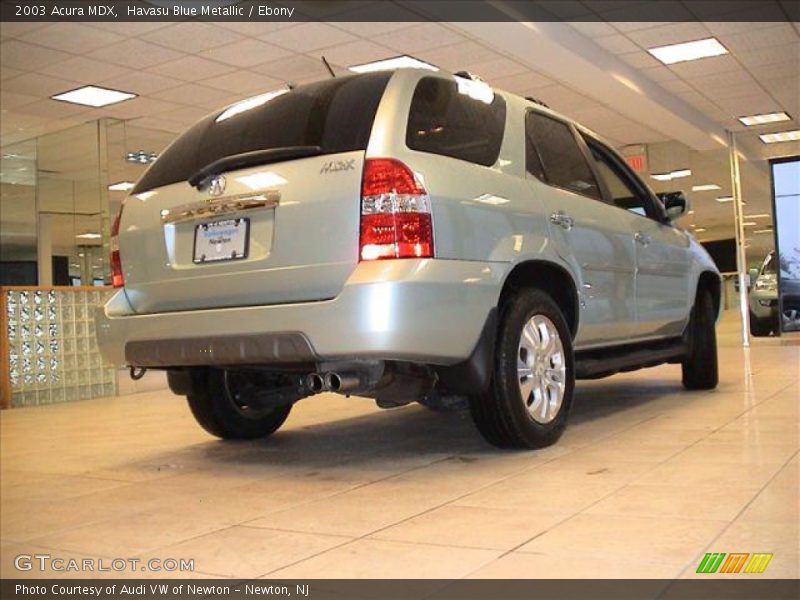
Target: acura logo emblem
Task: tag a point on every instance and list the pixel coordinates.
(217, 185)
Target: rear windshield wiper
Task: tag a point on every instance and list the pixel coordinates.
(250, 159)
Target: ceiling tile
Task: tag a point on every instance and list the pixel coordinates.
(71, 37)
(158, 124)
(673, 33)
(498, 67)
(185, 114)
(135, 53)
(191, 68)
(520, 83)
(36, 84)
(659, 74)
(307, 37)
(18, 28)
(293, 68)
(593, 29)
(84, 70)
(458, 56)
(192, 37)
(9, 72)
(378, 27)
(140, 82)
(243, 82)
(254, 29)
(766, 37)
(54, 109)
(10, 100)
(776, 54)
(138, 107)
(192, 94)
(355, 53)
(129, 28)
(21, 55)
(705, 66)
(245, 53)
(617, 44)
(639, 60)
(420, 37)
(626, 26)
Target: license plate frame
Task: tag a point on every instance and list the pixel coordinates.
(237, 249)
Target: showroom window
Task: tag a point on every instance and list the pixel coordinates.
(562, 161)
(445, 120)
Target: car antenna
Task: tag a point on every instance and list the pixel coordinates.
(328, 66)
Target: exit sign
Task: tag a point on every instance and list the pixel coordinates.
(637, 162)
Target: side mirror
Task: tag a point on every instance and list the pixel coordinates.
(675, 203)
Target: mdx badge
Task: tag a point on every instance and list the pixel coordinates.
(217, 185)
(338, 165)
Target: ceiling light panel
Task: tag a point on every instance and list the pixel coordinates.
(397, 62)
(780, 136)
(706, 187)
(775, 117)
(121, 186)
(676, 53)
(93, 96)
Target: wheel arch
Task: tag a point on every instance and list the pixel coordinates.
(710, 280)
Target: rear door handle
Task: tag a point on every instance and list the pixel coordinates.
(641, 238)
(562, 219)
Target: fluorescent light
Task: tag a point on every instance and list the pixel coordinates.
(725, 199)
(121, 186)
(675, 53)
(700, 230)
(759, 216)
(780, 136)
(90, 235)
(676, 174)
(249, 104)
(762, 231)
(749, 224)
(94, 96)
(396, 62)
(775, 117)
(706, 187)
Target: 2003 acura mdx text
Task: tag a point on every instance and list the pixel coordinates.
(407, 236)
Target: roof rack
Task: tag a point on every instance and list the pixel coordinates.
(536, 101)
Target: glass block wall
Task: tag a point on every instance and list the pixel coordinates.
(52, 351)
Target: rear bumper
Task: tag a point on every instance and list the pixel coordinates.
(430, 311)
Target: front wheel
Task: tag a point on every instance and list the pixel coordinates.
(227, 404)
(699, 367)
(533, 378)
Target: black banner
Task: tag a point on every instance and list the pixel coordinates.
(748, 587)
(401, 10)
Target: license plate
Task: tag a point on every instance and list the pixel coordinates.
(221, 240)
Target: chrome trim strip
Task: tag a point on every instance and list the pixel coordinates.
(212, 207)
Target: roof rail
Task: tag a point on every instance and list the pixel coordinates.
(536, 101)
(468, 75)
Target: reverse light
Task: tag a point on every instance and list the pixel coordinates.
(395, 212)
(117, 279)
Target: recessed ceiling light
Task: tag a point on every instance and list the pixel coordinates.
(725, 199)
(780, 136)
(706, 187)
(676, 174)
(700, 230)
(762, 231)
(397, 62)
(759, 216)
(675, 53)
(775, 117)
(90, 235)
(661, 176)
(94, 96)
(749, 223)
(121, 186)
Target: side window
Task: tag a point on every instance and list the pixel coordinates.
(559, 160)
(624, 192)
(446, 120)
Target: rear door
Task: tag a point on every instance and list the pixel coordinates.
(257, 204)
(662, 265)
(586, 231)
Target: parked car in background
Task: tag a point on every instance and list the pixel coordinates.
(405, 236)
(763, 297)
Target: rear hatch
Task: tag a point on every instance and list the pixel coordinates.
(257, 204)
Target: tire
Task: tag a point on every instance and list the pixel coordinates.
(760, 327)
(213, 406)
(501, 415)
(699, 368)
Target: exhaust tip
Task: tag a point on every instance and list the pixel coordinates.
(333, 382)
(315, 383)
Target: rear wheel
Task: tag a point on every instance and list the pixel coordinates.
(533, 379)
(700, 370)
(229, 405)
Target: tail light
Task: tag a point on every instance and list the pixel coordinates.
(117, 279)
(395, 212)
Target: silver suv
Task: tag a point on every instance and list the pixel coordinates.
(406, 236)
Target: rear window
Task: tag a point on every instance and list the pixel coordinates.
(445, 120)
(335, 114)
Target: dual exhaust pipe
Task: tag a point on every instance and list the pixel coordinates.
(332, 382)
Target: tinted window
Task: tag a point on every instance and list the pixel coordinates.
(561, 158)
(770, 266)
(335, 115)
(444, 120)
(624, 192)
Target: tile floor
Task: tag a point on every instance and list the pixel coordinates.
(647, 479)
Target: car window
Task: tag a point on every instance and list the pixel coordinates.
(623, 190)
(559, 160)
(445, 119)
(770, 265)
(335, 114)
